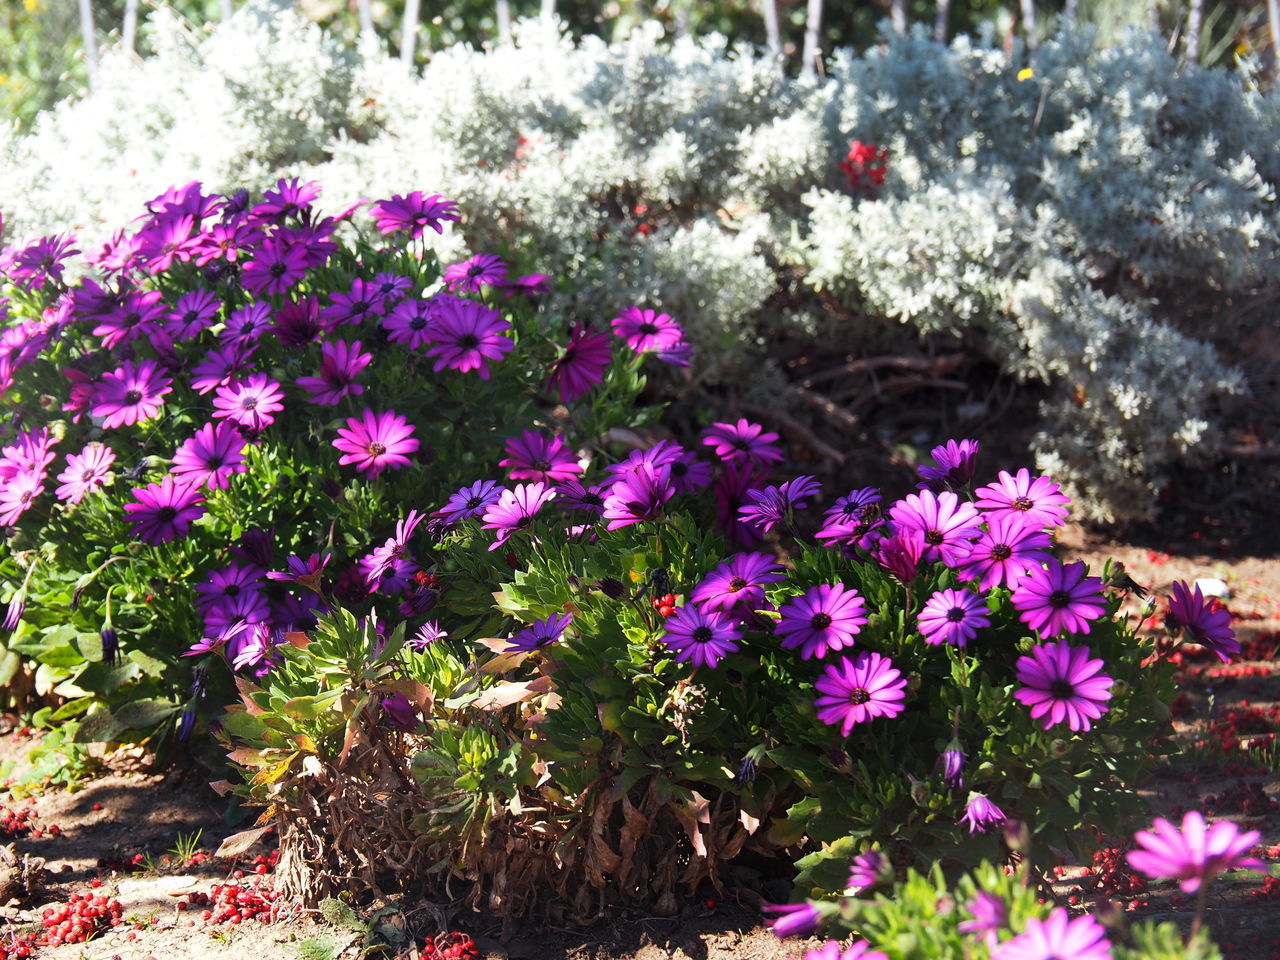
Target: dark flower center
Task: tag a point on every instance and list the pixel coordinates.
(166, 514)
(133, 396)
(26, 497)
(1001, 551)
(1061, 690)
(474, 503)
(1060, 599)
(360, 306)
(933, 537)
(475, 270)
(417, 323)
(214, 462)
(468, 341)
(232, 590)
(131, 318)
(1022, 503)
(523, 522)
(88, 474)
(593, 499)
(702, 634)
(820, 621)
(190, 317)
(377, 449)
(955, 614)
(648, 329)
(249, 403)
(679, 469)
(278, 269)
(858, 696)
(541, 465)
(736, 584)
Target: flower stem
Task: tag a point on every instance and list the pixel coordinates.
(1202, 898)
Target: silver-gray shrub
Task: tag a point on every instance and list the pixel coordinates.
(1051, 221)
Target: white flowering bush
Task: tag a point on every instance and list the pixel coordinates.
(1071, 215)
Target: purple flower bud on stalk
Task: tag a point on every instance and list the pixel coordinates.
(980, 813)
(110, 646)
(792, 919)
(186, 724)
(951, 763)
(13, 615)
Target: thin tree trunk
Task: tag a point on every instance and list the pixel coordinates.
(1029, 22)
(409, 32)
(1069, 14)
(1195, 21)
(812, 35)
(898, 17)
(366, 19)
(941, 21)
(504, 21)
(90, 37)
(772, 32)
(548, 11)
(130, 29)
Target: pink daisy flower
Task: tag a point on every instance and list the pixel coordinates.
(251, 403)
(535, 456)
(374, 442)
(1036, 498)
(86, 472)
(466, 335)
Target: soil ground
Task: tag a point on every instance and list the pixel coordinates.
(129, 810)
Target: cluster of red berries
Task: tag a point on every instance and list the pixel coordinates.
(16, 823)
(1113, 872)
(233, 903)
(865, 166)
(81, 918)
(1246, 797)
(1269, 890)
(131, 864)
(17, 946)
(263, 863)
(450, 946)
(665, 604)
(1263, 646)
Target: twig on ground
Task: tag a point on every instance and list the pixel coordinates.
(798, 429)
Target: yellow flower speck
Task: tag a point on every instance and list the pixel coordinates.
(1026, 73)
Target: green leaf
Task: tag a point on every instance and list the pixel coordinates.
(144, 714)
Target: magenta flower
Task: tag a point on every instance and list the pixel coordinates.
(288, 198)
(954, 461)
(866, 870)
(130, 394)
(1056, 937)
(900, 555)
(989, 917)
(573, 495)
(775, 504)
(943, 521)
(1060, 682)
(340, 364)
(470, 501)
(86, 472)
(298, 323)
(701, 637)
(220, 366)
(822, 619)
(535, 456)
(211, 456)
(1202, 620)
(1036, 498)
(953, 617)
(42, 260)
(18, 493)
(515, 510)
(859, 688)
(1057, 598)
(980, 813)
(482, 270)
(739, 580)
(582, 365)
(1195, 854)
(427, 634)
(252, 403)
(275, 267)
(638, 495)
(466, 335)
(542, 634)
(951, 763)
(1009, 547)
(165, 239)
(646, 331)
(374, 442)
(232, 593)
(246, 324)
(164, 511)
(792, 919)
(408, 323)
(194, 311)
(122, 324)
(857, 950)
(742, 441)
(364, 301)
(305, 573)
(413, 213)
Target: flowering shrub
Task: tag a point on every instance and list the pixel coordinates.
(1058, 225)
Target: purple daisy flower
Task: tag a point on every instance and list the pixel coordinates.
(821, 619)
(900, 554)
(702, 637)
(211, 456)
(482, 270)
(529, 285)
(246, 324)
(377, 562)
(221, 366)
(582, 365)
(646, 331)
(859, 688)
(364, 301)
(42, 260)
(866, 870)
(86, 472)
(953, 617)
(390, 288)
(166, 239)
(515, 510)
(1060, 682)
(1058, 598)
(232, 593)
(640, 494)
(572, 495)
(1195, 854)
(164, 511)
(851, 518)
(990, 915)
(471, 501)
(193, 312)
(792, 919)
(1036, 498)
(305, 573)
(1202, 620)
(1057, 936)
(413, 213)
(374, 442)
(775, 504)
(298, 324)
(543, 633)
(535, 456)
(408, 323)
(340, 364)
(1009, 547)
(252, 403)
(688, 473)
(18, 493)
(833, 950)
(944, 523)
(466, 335)
(427, 634)
(954, 461)
(981, 814)
(739, 580)
(275, 267)
(130, 394)
(742, 441)
(288, 198)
